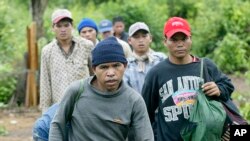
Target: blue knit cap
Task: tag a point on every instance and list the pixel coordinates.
(87, 22)
(106, 51)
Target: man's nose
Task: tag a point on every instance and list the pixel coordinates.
(111, 72)
(179, 42)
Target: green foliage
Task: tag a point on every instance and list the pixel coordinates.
(7, 83)
(247, 74)
(12, 42)
(244, 105)
(231, 49)
(185, 9)
(3, 131)
(154, 16)
(7, 87)
(206, 28)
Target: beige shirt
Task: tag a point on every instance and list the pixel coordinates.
(58, 71)
(126, 48)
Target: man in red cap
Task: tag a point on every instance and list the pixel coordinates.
(170, 87)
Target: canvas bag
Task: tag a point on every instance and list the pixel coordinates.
(206, 119)
(233, 116)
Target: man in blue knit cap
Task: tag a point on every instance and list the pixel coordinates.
(107, 108)
(88, 29)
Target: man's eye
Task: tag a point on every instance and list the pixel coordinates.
(103, 67)
(117, 65)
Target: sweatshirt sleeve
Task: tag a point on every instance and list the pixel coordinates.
(61, 118)
(150, 94)
(140, 122)
(223, 82)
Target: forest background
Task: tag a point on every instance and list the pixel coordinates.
(220, 31)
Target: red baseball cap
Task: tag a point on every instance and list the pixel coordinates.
(60, 14)
(176, 24)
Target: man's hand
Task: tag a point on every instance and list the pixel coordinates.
(211, 89)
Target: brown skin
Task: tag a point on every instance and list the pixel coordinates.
(106, 34)
(118, 28)
(89, 33)
(140, 41)
(109, 76)
(179, 46)
(63, 33)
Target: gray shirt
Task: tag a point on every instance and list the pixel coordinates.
(100, 116)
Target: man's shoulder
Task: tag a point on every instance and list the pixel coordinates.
(133, 94)
(159, 55)
(82, 41)
(157, 67)
(48, 47)
(121, 41)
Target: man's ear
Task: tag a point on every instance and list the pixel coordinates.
(93, 69)
(151, 38)
(165, 40)
(52, 27)
(125, 65)
(129, 40)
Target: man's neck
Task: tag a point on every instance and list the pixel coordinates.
(118, 35)
(185, 60)
(65, 43)
(141, 53)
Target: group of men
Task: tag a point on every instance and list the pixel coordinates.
(105, 90)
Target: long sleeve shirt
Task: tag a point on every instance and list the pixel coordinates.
(171, 89)
(58, 70)
(134, 76)
(101, 116)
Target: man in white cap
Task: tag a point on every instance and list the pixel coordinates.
(143, 58)
(63, 60)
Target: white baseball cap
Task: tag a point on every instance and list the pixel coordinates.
(137, 26)
(59, 14)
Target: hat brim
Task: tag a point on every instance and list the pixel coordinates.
(172, 32)
(101, 30)
(60, 18)
(132, 33)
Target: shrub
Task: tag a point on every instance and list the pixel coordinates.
(7, 84)
(231, 54)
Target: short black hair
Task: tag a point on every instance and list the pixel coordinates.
(65, 19)
(118, 19)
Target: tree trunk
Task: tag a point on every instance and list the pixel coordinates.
(37, 8)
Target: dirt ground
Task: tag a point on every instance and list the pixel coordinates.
(18, 122)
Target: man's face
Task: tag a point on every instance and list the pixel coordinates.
(109, 75)
(179, 45)
(106, 34)
(140, 41)
(118, 27)
(63, 30)
(88, 33)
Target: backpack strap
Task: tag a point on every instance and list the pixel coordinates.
(201, 72)
(80, 91)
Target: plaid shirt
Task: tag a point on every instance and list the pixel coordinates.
(58, 70)
(134, 77)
